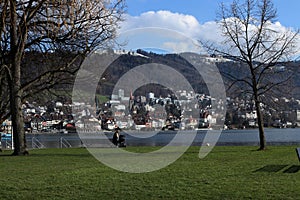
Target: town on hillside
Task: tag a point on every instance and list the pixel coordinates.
(189, 112)
(152, 110)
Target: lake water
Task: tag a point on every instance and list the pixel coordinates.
(227, 137)
(140, 138)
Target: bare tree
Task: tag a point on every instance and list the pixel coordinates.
(64, 27)
(252, 41)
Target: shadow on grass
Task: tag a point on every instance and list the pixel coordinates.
(5, 155)
(292, 169)
(277, 168)
(271, 168)
(71, 152)
(47, 155)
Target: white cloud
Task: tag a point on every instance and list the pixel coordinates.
(178, 46)
(163, 19)
(177, 23)
(186, 24)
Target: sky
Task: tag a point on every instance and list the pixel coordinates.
(189, 20)
(205, 10)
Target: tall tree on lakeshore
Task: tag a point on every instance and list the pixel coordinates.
(49, 27)
(252, 40)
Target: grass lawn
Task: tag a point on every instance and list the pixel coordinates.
(226, 173)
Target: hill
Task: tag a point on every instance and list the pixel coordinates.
(130, 60)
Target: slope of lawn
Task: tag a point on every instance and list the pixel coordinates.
(226, 173)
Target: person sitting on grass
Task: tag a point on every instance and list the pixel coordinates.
(0, 143)
(116, 135)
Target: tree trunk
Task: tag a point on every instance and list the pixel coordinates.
(260, 122)
(16, 107)
(17, 121)
(17, 48)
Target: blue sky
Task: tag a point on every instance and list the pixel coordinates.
(205, 10)
(181, 23)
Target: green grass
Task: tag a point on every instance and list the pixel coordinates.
(226, 173)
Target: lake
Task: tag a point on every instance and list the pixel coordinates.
(162, 138)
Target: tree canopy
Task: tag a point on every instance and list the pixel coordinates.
(69, 29)
(252, 39)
